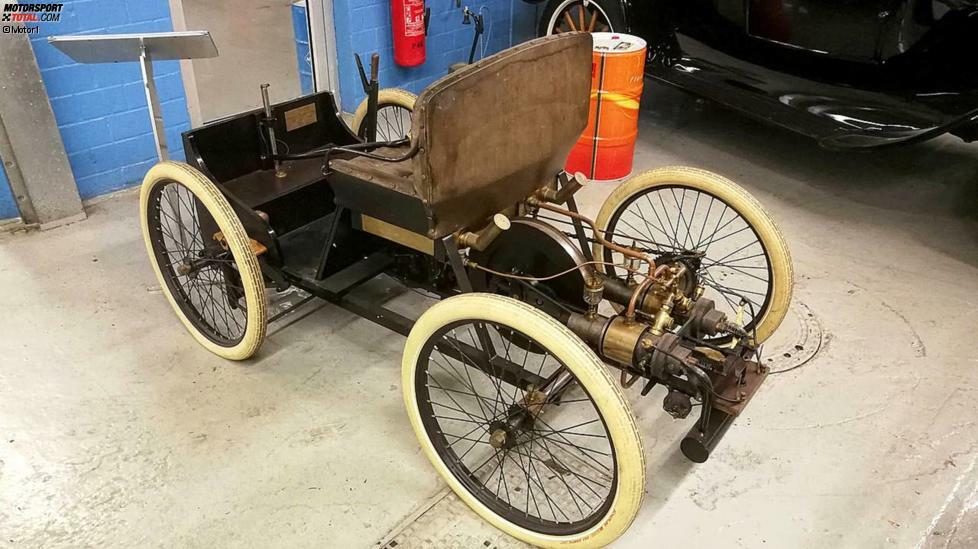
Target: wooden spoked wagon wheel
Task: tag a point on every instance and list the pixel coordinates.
(581, 15)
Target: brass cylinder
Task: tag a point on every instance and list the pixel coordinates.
(620, 339)
(614, 338)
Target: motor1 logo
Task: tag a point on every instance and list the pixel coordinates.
(25, 14)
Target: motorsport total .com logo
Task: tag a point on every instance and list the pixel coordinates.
(25, 14)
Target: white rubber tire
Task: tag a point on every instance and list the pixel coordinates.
(782, 272)
(386, 97)
(590, 373)
(238, 243)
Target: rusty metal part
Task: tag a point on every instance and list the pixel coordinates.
(482, 238)
(256, 247)
(668, 356)
(534, 401)
(589, 329)
(677, 404)
(735, 391)
(707, 320)
(628, 379)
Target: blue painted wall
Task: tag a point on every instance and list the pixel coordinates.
(101, 112)
(8, 208)
(364, 27)
(101, 109)
(300, 29)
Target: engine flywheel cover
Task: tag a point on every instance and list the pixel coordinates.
(534, 248)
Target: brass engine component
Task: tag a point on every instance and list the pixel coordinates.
(593, 294)
(652, 296)
(616, 338)
(571, 186)
(482, 238)
(621, 337)
(663, 318)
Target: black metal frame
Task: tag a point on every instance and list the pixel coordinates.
(313, 241)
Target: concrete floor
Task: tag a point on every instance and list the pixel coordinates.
(116, 429)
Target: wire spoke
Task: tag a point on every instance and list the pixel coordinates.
(557, 470)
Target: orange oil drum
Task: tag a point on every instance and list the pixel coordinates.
(606, 148)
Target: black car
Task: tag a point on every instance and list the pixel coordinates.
(849, 73)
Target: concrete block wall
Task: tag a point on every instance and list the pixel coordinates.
(303, 55)
(101, 109)
(8, 208)
(364, 27)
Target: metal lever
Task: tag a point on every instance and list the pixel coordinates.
(270, 126)
(467, 16)
(368, 131)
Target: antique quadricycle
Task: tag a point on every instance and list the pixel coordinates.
(506, 379)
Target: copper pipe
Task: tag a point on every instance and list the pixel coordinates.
(627, 252)
(630, 312)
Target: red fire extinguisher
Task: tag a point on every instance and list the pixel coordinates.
(407, 23)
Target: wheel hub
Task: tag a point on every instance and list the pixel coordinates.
(498, 438)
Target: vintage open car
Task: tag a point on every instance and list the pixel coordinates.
(506, 379)
(852, 74)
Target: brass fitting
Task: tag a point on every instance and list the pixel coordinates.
(571, 186)
(479, 240)
(663, 318)
(593, 294)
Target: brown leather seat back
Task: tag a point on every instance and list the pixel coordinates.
(495, 131)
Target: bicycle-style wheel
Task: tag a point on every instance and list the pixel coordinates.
(204, 260)
(685, 212)
(550, 468)
(394, 109)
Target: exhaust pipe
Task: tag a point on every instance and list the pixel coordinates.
(698, 444)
